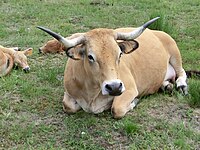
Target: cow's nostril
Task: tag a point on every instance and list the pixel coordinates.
(108, 87)
(120, 85)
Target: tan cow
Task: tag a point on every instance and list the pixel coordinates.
(11, 56)
(109, 69)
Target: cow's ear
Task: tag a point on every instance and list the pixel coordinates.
(76, 53)
(128, 46)
(28, 52)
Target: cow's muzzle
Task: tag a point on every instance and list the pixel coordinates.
(113, 87)
(39, 51)
(26, 69)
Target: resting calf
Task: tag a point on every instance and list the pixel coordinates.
(11, 56)
(54, 46)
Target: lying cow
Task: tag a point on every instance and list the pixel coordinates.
(54, 46)
(109, 69)
(11, 56)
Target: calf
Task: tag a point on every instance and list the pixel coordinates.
(11, 56)
(54, 46)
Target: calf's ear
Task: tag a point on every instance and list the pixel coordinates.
(28, 52)
(76, 53)
(128, 46)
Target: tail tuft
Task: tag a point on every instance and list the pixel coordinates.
(193, 73)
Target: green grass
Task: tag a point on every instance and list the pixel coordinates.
(194, 97)
(31, 115)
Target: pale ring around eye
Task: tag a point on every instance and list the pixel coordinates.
(91, 58)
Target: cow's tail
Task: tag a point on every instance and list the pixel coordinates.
(193, 73)
(10, 64)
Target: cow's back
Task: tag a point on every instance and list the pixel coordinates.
(148, 64)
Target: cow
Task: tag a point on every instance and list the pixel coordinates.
(54, 46)
(112, 69)
(12, 56)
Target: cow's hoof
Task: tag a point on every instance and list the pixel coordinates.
(67, 110)
(117, 113)
(169, 87)
(183, 90)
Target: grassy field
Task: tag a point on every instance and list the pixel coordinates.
(31, 115)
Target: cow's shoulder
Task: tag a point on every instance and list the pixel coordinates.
(163, 37)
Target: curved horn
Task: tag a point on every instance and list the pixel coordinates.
(137, 32)
(66, 43)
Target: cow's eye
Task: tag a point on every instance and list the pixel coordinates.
(91, 58)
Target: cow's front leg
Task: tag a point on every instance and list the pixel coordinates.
(123, 103)
(69, 104)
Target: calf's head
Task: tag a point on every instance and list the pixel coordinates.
(20, 58)
(52, 46)
(100, 51)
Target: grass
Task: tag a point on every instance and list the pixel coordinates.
(194, 93)
(31, 115)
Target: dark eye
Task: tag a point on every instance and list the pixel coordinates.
(91, 58)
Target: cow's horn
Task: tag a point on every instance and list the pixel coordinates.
(137, 32)
(66, 43)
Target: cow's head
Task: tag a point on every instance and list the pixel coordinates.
(100, 51)
(20, 58)
(52, 46)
